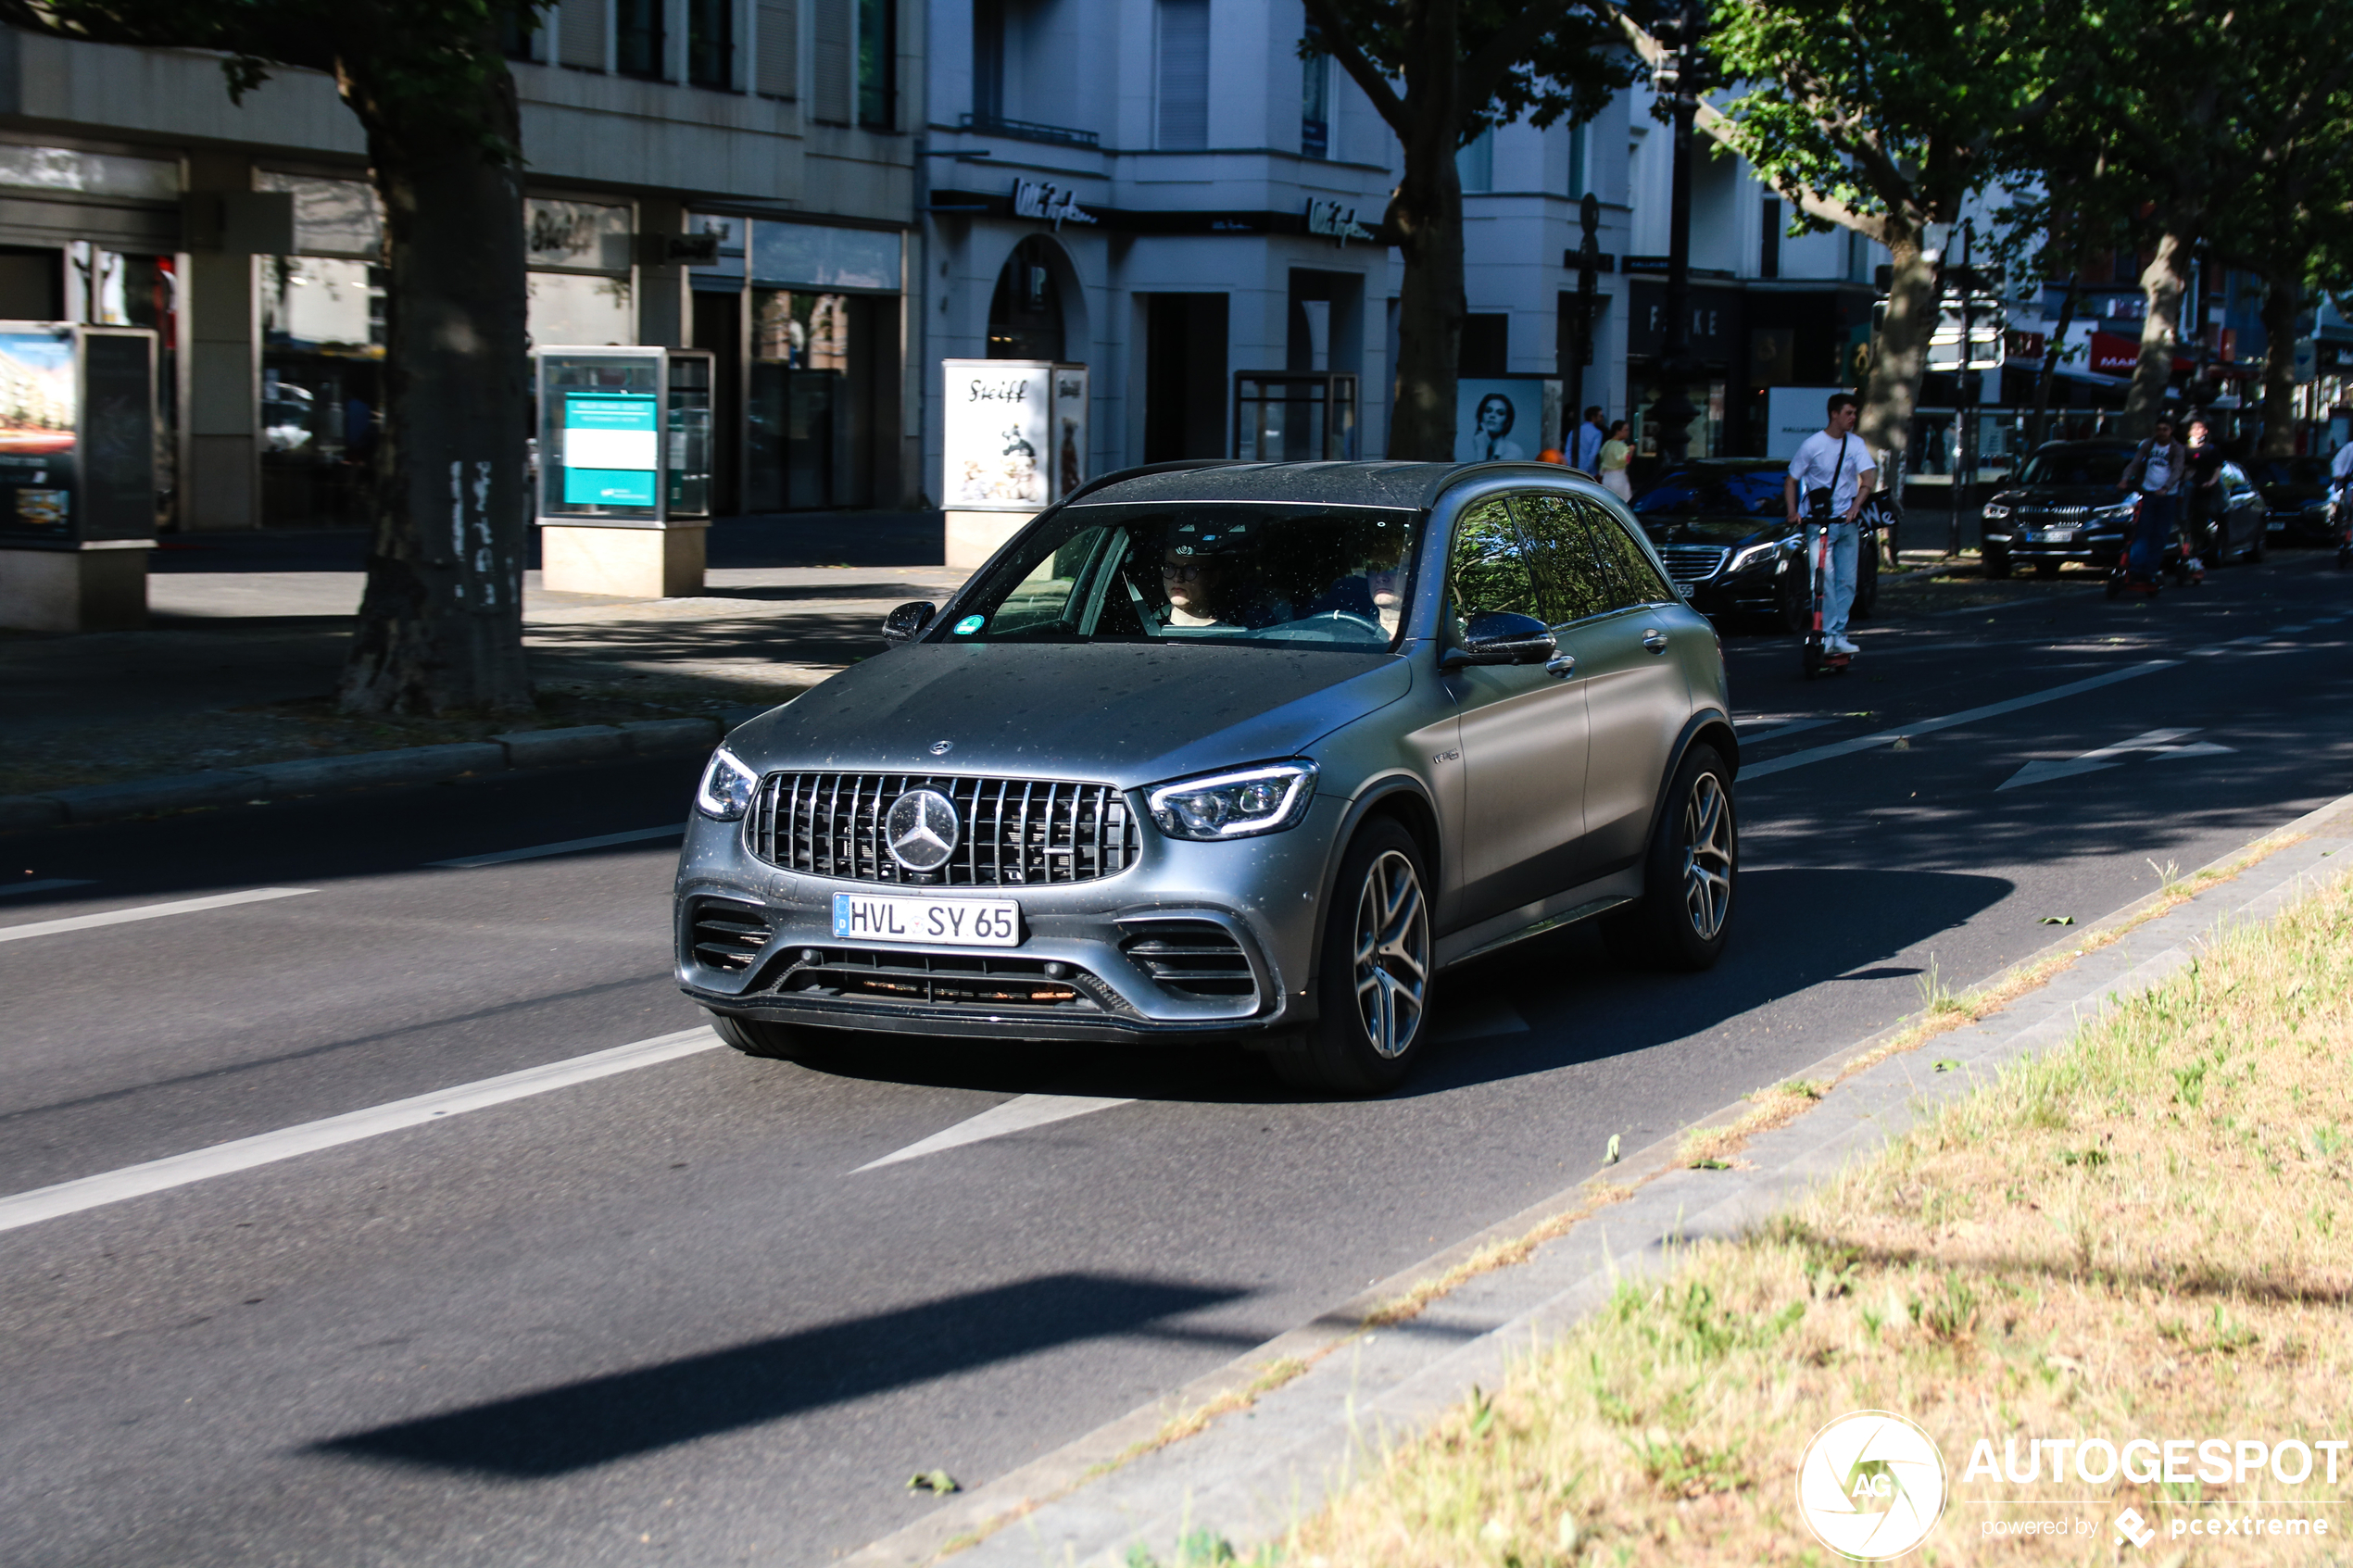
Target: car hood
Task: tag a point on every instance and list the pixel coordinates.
(1704, 529)
(2043, 496)
(1121, 713)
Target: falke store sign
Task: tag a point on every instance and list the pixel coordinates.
(1048, 204)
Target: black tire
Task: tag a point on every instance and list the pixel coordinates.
(754, 1036)
(1996, 564)
(1797, 609)
(1689, 874)
(2047, 569)
(1373, 1015)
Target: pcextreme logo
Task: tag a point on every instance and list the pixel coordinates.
(1871, 1485)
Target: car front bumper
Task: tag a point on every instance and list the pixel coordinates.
(1193, 941)
(2092, 546)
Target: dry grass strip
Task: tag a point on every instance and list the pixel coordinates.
(2148, 1232)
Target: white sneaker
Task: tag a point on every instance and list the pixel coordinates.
(1841, 645)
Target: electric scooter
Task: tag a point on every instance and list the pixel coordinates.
(1818, 658)
(2120, 580)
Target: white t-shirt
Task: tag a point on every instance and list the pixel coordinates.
(2341, 466)
(2157, 479)
(1818, 458)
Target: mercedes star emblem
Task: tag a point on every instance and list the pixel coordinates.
(921, 830)
(942, 748)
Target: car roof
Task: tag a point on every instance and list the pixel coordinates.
(1398, 485)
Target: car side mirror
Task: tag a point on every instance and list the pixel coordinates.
(902, 624)
(1501, 638)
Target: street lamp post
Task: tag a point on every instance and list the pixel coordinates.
(1679, 78)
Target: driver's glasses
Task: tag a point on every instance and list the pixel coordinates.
(1180, 571)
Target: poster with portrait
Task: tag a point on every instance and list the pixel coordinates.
(1070, 429)
(1504, 418)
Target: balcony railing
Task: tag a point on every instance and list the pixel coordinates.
(1026, 131)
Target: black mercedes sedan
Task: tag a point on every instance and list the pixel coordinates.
(1722, 527)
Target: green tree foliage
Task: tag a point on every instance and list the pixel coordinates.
(1882, 120)
(441, 625)
(1440, 72)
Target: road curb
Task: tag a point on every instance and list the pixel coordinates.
(405, 765)
(1247, 1473)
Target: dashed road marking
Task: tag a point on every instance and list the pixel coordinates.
(148, 911)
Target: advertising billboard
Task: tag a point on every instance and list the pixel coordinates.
(1498, 417)
(1013, 433)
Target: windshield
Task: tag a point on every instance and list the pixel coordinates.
(2076, 465)
(1736, 493)
(1199, 572)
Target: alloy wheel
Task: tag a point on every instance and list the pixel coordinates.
(1392, 954)
(1708, 855)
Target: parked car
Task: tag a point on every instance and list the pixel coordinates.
(1721, 525)
(1227, 751)
(2296, 498)
(2065, 508)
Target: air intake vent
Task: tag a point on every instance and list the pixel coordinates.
(727, 935)
(1192, 958)
(1011, 833)
(951, 979)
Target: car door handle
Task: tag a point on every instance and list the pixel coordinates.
(1563, 666)
(1654, 640)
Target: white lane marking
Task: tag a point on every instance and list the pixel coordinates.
(633, 837)
(1016, 1115)
(148, 911)
(2158, 741)
(45, 884)
(1928, 726)
(1793, 727)
(245, 1154)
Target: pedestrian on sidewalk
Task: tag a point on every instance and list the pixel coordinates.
(2155, 475)
(1616, 452)
(2204, 522)
(1828, 480)
(1588, 440)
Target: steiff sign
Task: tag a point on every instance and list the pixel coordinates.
(1047, 203)
(1014, 434)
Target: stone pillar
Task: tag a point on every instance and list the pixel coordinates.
(630, 563)
(98, 586)
(221, 461)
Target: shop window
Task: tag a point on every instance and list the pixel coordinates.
(331, 216)
(711, 42)
(808, 431)
(639, 39)
(1026, 313)
(577, 310)
(322, 326)
(879, 64)
(1486, 346)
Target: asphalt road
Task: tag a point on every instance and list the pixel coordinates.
(664, 1316)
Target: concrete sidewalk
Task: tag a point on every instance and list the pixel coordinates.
(250, 633)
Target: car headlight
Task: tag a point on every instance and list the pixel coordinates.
(2121, 512)
(1756, 552)
(1995, 511)
(1241, 804)
(725, 791)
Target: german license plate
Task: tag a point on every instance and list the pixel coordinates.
(948, 922)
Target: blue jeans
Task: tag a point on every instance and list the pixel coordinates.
(2152, 533)
(1838, 596)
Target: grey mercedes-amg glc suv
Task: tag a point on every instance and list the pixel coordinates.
(1228, 751)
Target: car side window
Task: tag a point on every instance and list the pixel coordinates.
(1487, 567)
(1632, 579)
(1570, 579)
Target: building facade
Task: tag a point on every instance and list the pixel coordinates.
(133, 191)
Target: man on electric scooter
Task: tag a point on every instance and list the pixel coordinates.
(2155, 475)
(1835, 465)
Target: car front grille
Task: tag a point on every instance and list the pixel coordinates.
(953, 980)
(2052, 514)
(1011, 833)
(1193, 957)
(726, 934)
(1688, 564)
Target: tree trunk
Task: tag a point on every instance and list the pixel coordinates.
(2049, 375)
(1893, 388)
(2162, 283)
(1426, 213)
(441, 623)
(2282, 299)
